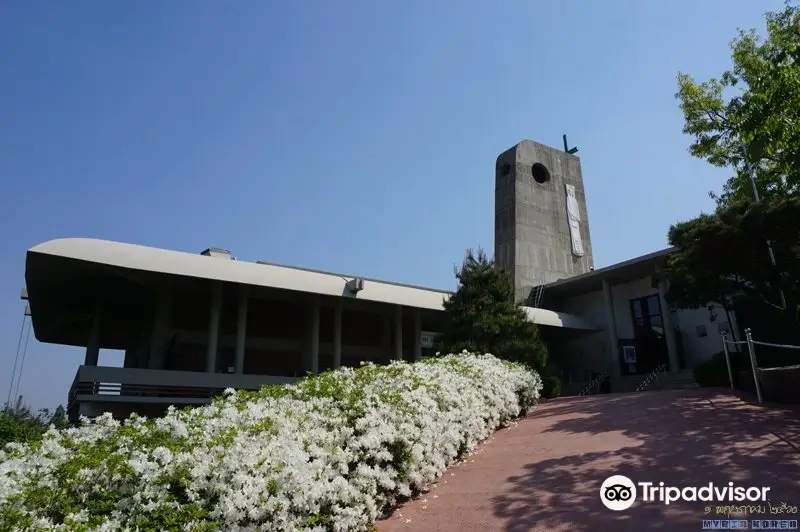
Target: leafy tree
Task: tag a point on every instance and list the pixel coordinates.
(756, 127)
(18, 423)
(482, 316)
(725, 254)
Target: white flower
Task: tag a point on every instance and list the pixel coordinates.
(331, 452)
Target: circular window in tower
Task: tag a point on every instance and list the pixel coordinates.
(540, 173)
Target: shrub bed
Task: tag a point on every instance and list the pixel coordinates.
(551, 387)
(713, 372)
(326, 453)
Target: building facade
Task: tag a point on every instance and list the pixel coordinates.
(636, 330)
(541, 227)
(192, 325)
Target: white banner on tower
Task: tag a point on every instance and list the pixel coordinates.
(574, 220)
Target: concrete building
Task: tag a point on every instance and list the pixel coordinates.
(192, 325)
(541, 225)
(636, 330)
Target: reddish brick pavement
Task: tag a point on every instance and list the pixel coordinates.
(545, 473)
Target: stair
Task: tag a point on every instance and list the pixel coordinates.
(683, 380)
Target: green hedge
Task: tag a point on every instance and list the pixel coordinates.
(713, 372)
(328, 453)
(551, 387)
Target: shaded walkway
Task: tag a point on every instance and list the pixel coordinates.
(545, 473)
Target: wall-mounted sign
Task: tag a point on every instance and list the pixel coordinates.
(428, 339)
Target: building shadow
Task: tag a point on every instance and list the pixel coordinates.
(679, 438)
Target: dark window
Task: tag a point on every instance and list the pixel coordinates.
(654, 305)
(655, 322)
(647, 319)
(636, 306)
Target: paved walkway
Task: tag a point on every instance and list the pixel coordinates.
(545, 472)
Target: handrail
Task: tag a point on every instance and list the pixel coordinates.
(653, 376)
(785, 346)
(594, 385)
(103, 383)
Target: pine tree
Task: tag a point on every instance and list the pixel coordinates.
(482, 316)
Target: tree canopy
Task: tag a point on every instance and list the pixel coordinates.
(749, 120)
(725, 254)
(19, 424)
(750, 116)
(482, 316)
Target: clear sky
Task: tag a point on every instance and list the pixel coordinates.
(351, 136)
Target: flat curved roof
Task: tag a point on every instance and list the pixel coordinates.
(168, 262)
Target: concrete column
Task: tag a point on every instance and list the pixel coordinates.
(386, 355)
(241, 329)
(669, 329)
(161, 326)
(417, 334)
(337, 334)
(611, 326)
(213, 328)
(130, 358)
(314, 336)
(398, 332)
(93, 345)
(143, 347)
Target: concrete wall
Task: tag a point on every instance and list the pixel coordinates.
(587, 351)
(532, 236)
(698, 348)
(622, 295)
(590, 352)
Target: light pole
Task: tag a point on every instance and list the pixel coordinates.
(752, 177)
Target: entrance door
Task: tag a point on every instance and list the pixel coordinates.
(648, 327)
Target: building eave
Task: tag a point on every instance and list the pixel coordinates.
(168, 262)
(621, 272)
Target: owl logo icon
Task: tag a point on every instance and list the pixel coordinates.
(618, 493)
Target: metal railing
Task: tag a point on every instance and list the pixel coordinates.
(752, 352)
(651, 378)
(570, 377)
(594, 384)
(135, 385)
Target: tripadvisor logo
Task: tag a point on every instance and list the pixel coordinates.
(618, 493)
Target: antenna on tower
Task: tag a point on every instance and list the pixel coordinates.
(567, 149)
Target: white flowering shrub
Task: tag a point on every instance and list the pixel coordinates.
(331, 452)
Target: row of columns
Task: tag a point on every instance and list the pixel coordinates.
(666, 318)
(313, 355)
(160, 332)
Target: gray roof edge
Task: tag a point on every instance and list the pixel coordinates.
(599, 274)
(347, 277)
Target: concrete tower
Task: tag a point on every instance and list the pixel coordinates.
(541, 227)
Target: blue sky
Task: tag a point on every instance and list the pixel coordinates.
(352, 136)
